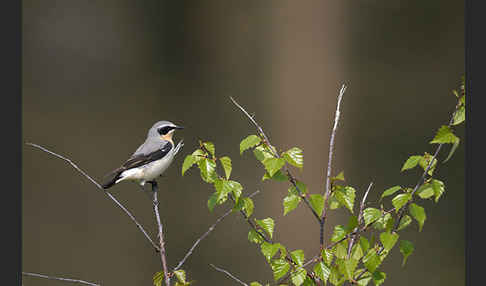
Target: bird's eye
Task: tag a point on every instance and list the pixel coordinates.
(164, 130)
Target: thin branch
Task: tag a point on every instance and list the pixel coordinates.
(59, 278)
(206, 234)
(422, 178)
(329, 164)
(291, 179)
(229, 274)
(163, 258)
(99, 187)
(360, 218)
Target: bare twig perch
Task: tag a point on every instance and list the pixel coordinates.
(329, 164)
(99, 187)
(229, 274)
(163, 258)
(191, 250)
(59, 278)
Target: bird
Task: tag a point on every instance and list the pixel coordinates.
(150, 160)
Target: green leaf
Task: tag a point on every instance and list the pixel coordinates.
(352, 223)
(278, 176)
(208, 170)
(261, 153)
(224, 187)
(298, 256)
(248, 206)
(459, 116)
(272, 165)
(444, 135)
(406, 248)
(158, 278)
(341, 249)
(370, 215)
(383, 222)
(390, 191)
(411, 162)
(249, 142)
(425, 161)
(371, 260)
(418, 213)
(339, 177)
(213, 200)
(357, 252)
(294, 157)
(322, 271)
(181, 276)
(210, 147)
(254, 237)
(439, 188)
(347, 267)
(317, 203)
(199, 155)
(400, 200)
(298, 276)
(345, 196)
(364, 243)
(280, 267)
(379, 277)
(327, 256)
(335, 277)
(365, 278)
(406, 220)
(302, 188)
(267, 225)
(290, 202)
(255, 284)
(425, 191)
(269, 250)
(453, 149)
(388, 240)
(226, 163)
(339, 233)
(188, 162)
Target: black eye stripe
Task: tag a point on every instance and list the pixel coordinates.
(164, 130)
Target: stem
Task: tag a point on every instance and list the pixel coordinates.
(155, 189)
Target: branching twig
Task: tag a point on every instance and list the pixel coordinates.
(59, 278)
(229, 274)
(291, 179)
(206, 234)
(161, 234)
(329, 165)
(360, 218)
(99, 187)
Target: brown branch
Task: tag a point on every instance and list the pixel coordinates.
(101, 188)
(291, 179)
(59, 278)
(229, 274)
(206, 234)
(329, 165)
(163, 258)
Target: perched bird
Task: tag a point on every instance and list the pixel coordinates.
(151, 159)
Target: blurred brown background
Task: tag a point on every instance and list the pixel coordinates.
(98, 74)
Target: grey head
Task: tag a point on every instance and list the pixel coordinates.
(162, 129)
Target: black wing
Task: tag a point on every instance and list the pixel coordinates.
(136, 161)
(142, 159)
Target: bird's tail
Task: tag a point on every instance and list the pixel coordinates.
(111, 178)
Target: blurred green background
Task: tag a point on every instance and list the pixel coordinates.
(98, 74)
